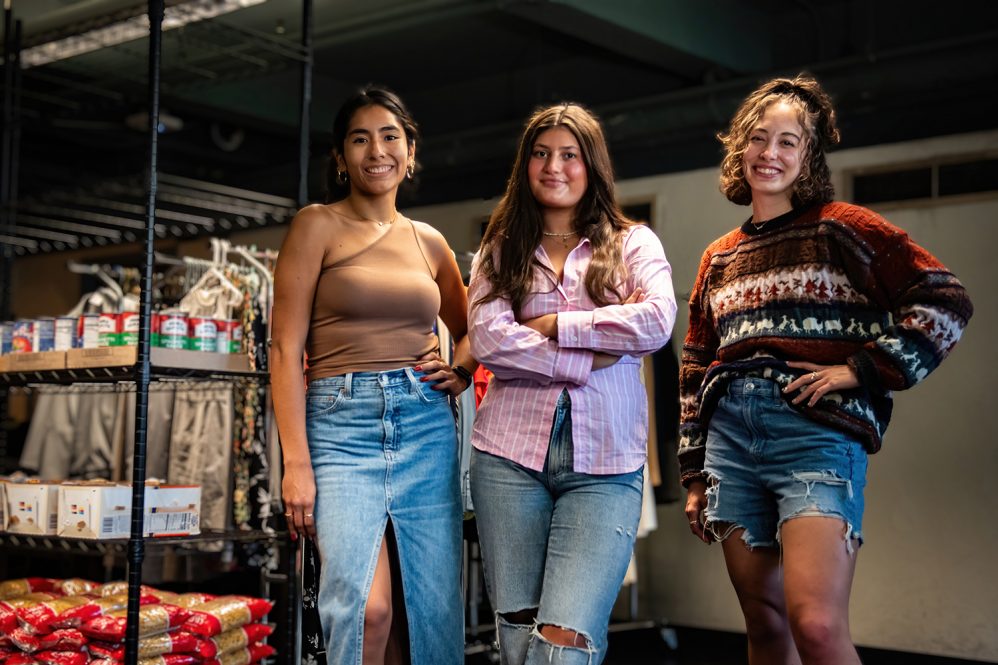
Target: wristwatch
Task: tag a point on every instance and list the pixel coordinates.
(464, 374)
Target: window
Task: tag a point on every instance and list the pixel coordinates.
(926, 181)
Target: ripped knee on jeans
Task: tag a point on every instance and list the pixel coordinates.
(520, 618)
(557, 636)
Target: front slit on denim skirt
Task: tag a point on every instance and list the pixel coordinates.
(383, 446)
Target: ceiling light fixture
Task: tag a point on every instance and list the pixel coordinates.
(128, 30)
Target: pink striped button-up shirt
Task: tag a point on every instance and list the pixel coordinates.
(609, 406)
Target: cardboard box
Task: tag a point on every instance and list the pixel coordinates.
(103, 511)
(124, 356)
(94, 511)
(3, 506)
(173, 510)
(32, 508)
(33, 362)
(4, 364)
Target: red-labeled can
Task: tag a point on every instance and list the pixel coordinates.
(171, 327)
(108, 329)
(230, 336)
(128, 328)
(203, 333)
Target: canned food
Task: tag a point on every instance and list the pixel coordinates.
(108, 330)
(170, 329)
(230, 336)
(44, 334)
(203, 333)
(22, 336)
(128, 328)
(88, 331)
(65, 333)
(6, 333)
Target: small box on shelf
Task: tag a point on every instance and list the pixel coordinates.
(33, 362)
(123, 356)
(32, 508)
(101, 511)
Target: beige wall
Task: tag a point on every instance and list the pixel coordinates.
(925, 580)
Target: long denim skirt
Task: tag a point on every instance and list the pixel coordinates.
(384, 447)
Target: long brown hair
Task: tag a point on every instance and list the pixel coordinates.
(817, 117)
(515, 227)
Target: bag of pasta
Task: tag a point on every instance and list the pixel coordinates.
(225, 613)
(76, 586)
(190, 600)
(233, 640)
(62, 657)
(63, 639)
(149, 647)
(8, 608)
(153, 619)
(251, 654)
(38, 618)
(24, 586)
(74, 617)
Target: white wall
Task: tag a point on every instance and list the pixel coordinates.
(925, 580)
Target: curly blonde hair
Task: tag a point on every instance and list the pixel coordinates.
(817, 117)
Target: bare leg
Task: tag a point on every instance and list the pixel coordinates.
(755, 574)
(378, 613)
(818, 571)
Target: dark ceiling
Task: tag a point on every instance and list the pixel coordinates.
(665, 76)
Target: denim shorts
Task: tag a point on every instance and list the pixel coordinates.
(384, 446)
(767, 463)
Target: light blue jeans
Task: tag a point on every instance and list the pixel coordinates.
(556, 542)
(384, 446)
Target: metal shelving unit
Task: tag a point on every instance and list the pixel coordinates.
(143, 210)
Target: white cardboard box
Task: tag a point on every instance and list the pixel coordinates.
(94, 511)
(104, 511)
(32, 508)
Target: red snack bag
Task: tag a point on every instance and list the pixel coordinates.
(8, 609)
(225, 613)
(74, 617)
(24, 586)
(38, 618)
(62, 657)
(153, 619)
(233, 640)
(76, 586)
(65, 639)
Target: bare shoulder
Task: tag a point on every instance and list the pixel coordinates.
(432, 239)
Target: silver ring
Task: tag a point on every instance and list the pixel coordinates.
(308, 514)
(694, 523)
(288, 514)
(814, 377)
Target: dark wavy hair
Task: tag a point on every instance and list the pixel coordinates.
(516, 225)
(369, 95)
(817, 117)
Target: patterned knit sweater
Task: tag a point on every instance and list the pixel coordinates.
(831, 284)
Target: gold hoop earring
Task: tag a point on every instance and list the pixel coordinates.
(341, 177)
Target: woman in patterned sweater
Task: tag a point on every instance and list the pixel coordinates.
(802, 322)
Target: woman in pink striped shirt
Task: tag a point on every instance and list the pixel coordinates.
(566, 295)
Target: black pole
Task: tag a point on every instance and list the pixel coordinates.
(306, 103)
(136, 544)
(6, 144)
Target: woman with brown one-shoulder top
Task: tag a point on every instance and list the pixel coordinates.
(370, 462)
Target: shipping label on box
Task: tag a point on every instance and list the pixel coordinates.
(32, 508)
(95, 511)
(173, 510)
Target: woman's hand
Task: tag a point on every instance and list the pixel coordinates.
(546, 325)
(298, 494)
(696, 501)
(435, 369)
(822, 379)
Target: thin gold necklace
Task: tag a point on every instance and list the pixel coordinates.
(561, 236)
(391, 221)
